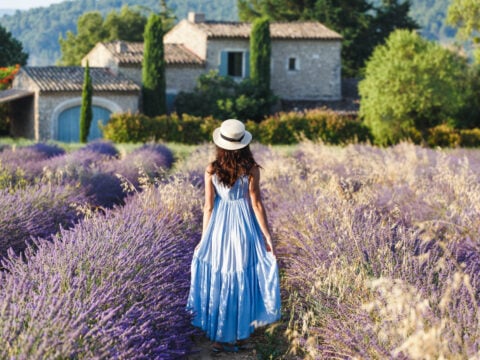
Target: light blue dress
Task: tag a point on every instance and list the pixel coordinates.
(235, 283)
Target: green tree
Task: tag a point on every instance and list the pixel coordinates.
(411, 85)
(465, 15)
(153, 68)
(127, 25)
(11, 50)
(86, 114)
(90, 30)
(260, 53)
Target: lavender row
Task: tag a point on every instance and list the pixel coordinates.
(45, 189)
(97, 167)
(380, 250)
(37, 211)
(114, 286)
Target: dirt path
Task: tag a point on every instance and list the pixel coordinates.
(204, 348)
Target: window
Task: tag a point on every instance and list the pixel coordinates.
(235, 64)
(292, 64)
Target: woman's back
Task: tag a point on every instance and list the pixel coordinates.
(238, 191)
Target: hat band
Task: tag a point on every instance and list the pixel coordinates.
(231, 139)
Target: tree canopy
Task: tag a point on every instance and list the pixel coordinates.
(362, 25)
(260, 53)
(411, 85)
(92, 28)
(153, 68)
(465, 15)
(86, 111)
(11, 50)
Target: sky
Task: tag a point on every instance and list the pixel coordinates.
(26, 4)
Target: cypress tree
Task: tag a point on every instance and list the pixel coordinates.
(86, 114)
(153, 69)
(260, 53)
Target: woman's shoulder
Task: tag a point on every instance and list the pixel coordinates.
(255, 171)
(209, 169)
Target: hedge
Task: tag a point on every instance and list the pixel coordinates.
(282, 128)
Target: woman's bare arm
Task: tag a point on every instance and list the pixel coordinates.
(209, 199)
(258, 208)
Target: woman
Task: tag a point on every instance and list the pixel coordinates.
(235, 284)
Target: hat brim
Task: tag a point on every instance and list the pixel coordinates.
(231, 145)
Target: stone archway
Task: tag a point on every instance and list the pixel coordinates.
(73, 105)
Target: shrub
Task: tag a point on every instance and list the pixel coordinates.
(223, 98)
(411, 82)
(49, 150)
(470, 137)
(443, 136)
(128, 127)
(149, 160)
(379, 250)
(115, 286)
(36, 211)
(328, 126)
(101, 147)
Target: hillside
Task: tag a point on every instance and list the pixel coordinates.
(39, 29)
(6, 12)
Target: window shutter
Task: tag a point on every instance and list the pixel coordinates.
(247, 64)
(223, 69)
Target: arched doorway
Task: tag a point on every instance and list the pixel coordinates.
(69, 124)
(66, 118)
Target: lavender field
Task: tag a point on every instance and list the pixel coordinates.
(379, 251)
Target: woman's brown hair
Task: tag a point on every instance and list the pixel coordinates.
(231, 164)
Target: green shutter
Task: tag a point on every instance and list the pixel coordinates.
(223, 69)
(246, 58)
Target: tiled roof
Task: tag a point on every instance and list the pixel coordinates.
(70, 78)
(290, 30)
(132, 53)
(13, 94)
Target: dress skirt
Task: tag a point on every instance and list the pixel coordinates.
(234, 280)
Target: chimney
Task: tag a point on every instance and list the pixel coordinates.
(196, 17)
(121, 47)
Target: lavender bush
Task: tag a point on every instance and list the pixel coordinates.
(36, 211)
(101, 147)
(378, 251)
(150, 160)
(115, 286)
(25, 164)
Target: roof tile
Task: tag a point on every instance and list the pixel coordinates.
(132, 53)
(70, 78)
(279, 30)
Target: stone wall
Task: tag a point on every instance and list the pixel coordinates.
(132, 72)
(216, 46)
(318, 73)
(191, 37)
(182, 78)
(99, 56)
(27, 120)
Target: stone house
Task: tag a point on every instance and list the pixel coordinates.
(182, 68)
(306, 62)
(45, 101)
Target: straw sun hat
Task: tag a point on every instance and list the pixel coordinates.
(231, 135)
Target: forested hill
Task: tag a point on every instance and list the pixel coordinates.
(39, 29)
(431, 14)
